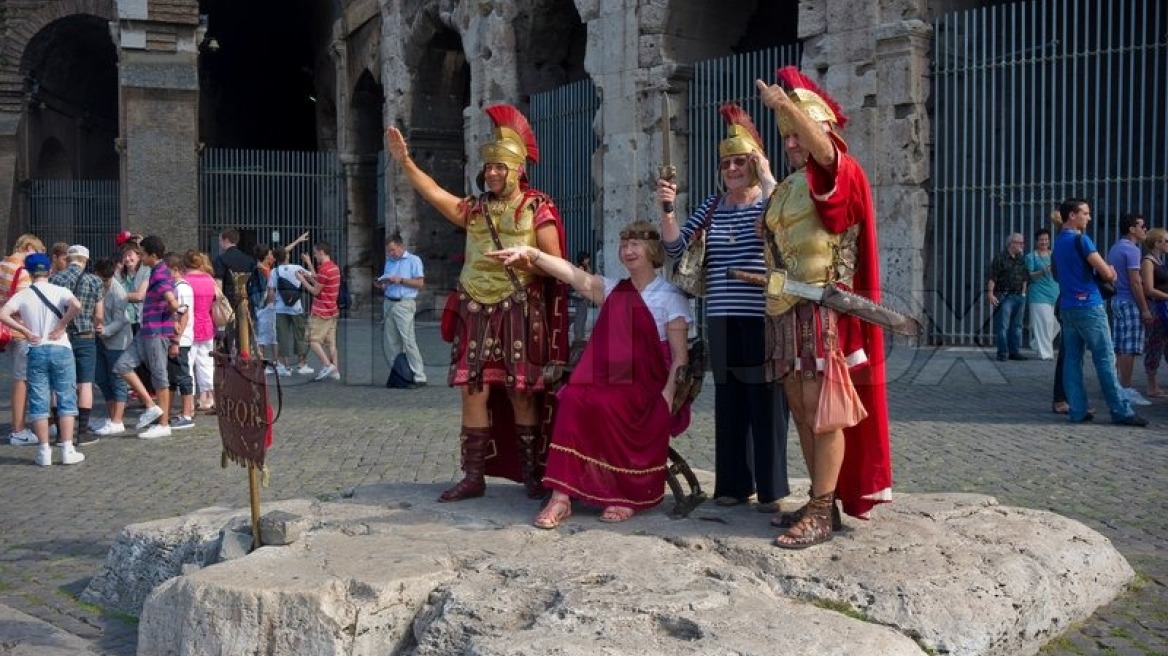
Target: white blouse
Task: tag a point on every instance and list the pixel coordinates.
(665, 302)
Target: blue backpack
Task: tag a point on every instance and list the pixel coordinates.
(257, 289)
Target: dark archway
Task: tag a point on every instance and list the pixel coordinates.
(258, 73)
(71, 83)
(550, 45)
(53, 161)
(367, 216)
(436, 140)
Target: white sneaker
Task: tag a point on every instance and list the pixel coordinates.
(155, 432)
(305, 370)
(281, 370)
(149, 416)
(71, 456)
(22, 438)
(110, 428)
(336, 374)
(44, 457)
(326, 372)
(1134, 397)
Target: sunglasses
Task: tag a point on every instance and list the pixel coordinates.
(738, 160)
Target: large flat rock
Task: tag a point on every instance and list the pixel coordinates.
(390, 571)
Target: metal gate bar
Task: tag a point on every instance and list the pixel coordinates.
(86, 212)
(1037, 102)
(272, 197)
(562, 119)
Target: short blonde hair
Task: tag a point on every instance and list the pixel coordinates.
(26, 240)
(649, 234)
(1153, 237)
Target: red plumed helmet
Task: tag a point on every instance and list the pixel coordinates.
(810, 98)
(742, 137)
(514, 139)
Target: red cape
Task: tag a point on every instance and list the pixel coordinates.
(843, 200)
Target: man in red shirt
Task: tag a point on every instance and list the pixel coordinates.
(325, 286)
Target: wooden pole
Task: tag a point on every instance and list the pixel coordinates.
(242, 315)
(253, 484)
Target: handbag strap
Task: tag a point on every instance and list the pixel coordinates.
(707, 218)
(48, 304)
(499, 246)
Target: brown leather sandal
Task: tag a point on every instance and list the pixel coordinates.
(556, 512)
(789, 519)
(813, 528)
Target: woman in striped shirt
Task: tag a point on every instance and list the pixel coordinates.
(750, 415)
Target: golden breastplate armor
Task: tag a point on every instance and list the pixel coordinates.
(809, 252)
(483, 278)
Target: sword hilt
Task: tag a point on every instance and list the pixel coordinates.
(667, 173)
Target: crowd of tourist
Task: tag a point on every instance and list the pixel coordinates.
(141, 325)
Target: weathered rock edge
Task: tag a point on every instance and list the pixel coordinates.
(391, 571)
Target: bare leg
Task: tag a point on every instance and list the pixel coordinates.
(19, 405)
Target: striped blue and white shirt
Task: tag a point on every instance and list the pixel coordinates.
(731, 243)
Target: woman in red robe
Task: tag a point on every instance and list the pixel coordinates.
(610, 443)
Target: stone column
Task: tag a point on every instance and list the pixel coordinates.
(903, 141)
(9, 161)
(624, 159)
(159, 122)
(873, 58)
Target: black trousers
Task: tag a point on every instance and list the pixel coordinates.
(750, 415)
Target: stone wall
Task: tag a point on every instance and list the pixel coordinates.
(874, 59)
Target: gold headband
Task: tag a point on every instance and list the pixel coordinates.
(644, 235)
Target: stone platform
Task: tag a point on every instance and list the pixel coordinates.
(388, 570)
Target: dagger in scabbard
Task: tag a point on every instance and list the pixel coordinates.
(668, 171)
(776, 283)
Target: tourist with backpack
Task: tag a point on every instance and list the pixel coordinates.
(285, 292)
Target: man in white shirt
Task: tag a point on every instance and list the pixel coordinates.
(45, 311)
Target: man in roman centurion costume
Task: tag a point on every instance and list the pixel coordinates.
(821, 229)
(504, 323)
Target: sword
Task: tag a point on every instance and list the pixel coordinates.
(777, 283)
(667, 171)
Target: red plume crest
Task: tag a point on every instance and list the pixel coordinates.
(791, 78)
(508, 117)
(735, 115)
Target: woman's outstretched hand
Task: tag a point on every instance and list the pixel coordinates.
(515, 256)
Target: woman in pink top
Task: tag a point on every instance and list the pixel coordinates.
(200, 276)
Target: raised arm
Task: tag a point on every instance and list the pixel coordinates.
(445, 202)
(812, 135)
(589, 285)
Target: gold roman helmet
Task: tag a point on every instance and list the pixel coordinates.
(513, 145)
(742, 137)
(811, 99)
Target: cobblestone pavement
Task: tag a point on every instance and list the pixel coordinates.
(961, 422)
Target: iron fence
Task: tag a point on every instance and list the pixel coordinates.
(272, 197)
(86, 212)
(562, 120)
(1036, 102)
